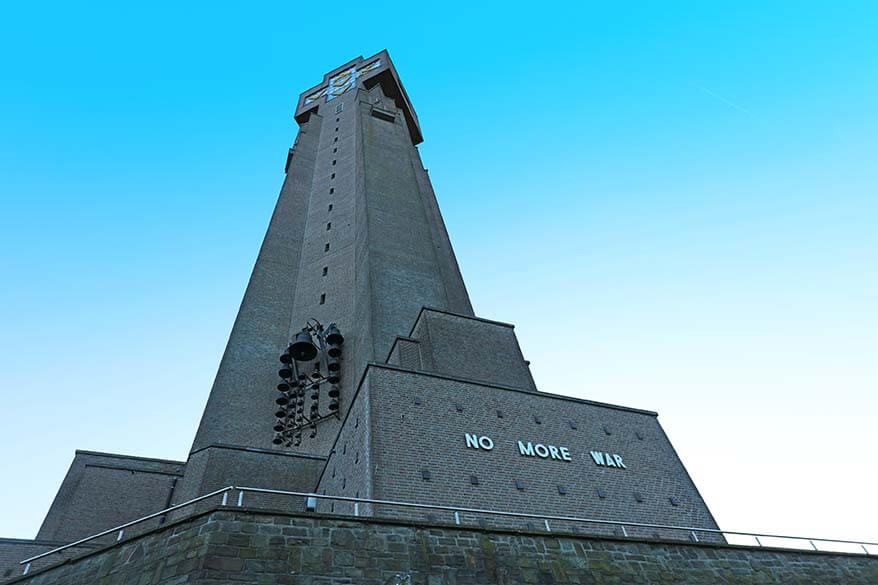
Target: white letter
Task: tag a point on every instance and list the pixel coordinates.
(541, 450)
(618, 459)
(598, 457)
(529, 450)
(554, 451)
(471, 441)
(609, 460)
(565, 454)
(486, 443)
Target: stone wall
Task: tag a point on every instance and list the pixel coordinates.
(225, 546)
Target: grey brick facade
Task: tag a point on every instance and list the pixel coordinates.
(102, 490)
(418, 423)
(357, 239)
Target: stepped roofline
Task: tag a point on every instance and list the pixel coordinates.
(365, 73)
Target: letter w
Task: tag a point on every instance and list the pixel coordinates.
(598, 457)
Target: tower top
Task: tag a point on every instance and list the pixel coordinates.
(365, 73)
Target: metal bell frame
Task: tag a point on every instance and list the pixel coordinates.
(323, 347)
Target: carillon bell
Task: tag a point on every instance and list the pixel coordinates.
(333, 336)
(303, 348)
(299, 378)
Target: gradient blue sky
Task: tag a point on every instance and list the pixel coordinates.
(675, 203)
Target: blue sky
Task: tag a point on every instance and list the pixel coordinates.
(687, 191)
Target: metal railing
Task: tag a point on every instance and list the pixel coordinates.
(310, 500)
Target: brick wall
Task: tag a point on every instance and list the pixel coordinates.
(348, 471)
(103, 490)
(419, 453)
(469, 347)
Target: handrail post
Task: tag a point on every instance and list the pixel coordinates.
(119, 536)
(225, 498)
(456, 517)
(759, 542)
(240, 498)
(356, 508)
(694, 536)
(547, 525)
(26, 569)
(814, 546)
(865, 550)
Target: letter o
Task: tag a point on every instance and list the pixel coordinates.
(486, 443)
(541, 450)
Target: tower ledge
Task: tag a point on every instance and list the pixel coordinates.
(365, 73)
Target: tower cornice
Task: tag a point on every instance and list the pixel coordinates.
(365, 73)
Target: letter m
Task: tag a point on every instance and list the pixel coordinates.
(529, 450)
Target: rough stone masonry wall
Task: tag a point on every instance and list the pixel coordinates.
(229, 546)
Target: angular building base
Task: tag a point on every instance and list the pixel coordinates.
(225, 545)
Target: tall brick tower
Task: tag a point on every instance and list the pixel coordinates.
(422, 401)
(434, 404)
(357, 239)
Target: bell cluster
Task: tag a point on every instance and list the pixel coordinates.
(309, 364)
